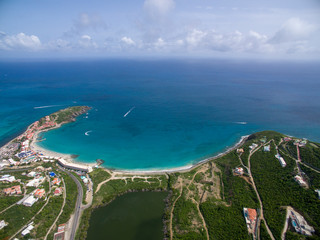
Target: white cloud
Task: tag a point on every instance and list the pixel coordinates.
(293, 30)
(195, 37)
(19, 41)
(158, 7)
(86, 22)
(127, 41)
(86, 42)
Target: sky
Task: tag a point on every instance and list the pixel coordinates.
(273, 29)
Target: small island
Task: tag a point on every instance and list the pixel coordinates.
(265, 187)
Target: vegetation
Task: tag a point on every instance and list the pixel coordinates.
(97, 176)
(68, 114)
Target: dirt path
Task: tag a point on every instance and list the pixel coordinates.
(171, 212)
(257, 193)
(197, 204)
(61, 211)
(285, 227)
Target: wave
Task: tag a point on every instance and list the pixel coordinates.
(49, 106)
(87, 133)
(129, 111)
(243, 123)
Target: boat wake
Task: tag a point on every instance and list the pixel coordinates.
(128, 112)
(242, 123)
(87, 133)
(49, 106)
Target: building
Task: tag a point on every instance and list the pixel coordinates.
(35, 182)
(60, 234)
(300, 181)
(318, 191)
(300, 225)
(281, 160)
(250, 216)
(52, 174)
(74, 166)
(7, 178)
(32, 174)
(240, 150)
(56, 181)
(39, 193)
(287, 139)
(27, 229)
(12, 190)
(30, 201)
(58, 191)
(253, 146)
(238, 171)
(266, 148)
(3, 224)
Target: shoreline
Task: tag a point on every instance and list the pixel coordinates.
(181, 169)
(68, 157)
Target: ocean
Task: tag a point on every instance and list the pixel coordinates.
(182, 111)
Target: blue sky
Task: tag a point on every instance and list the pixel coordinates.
(287, 29)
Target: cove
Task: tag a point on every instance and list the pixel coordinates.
(136, 215)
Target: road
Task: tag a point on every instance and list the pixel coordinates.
(258, 196)
(77, 212)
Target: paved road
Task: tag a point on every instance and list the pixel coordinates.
(77, 212)
(16, 170)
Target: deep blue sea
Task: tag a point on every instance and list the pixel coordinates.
(185, 110)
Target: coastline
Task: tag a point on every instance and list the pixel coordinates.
(68, 157)
(181, 169)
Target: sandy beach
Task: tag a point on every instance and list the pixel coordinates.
(68, 157)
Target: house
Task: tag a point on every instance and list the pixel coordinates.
(52, 174)
(250, 216)
(300, 181)
(35, 182)
(240, 150)
(287, 139)
(39, 193)
(29, 201)
(238, 171)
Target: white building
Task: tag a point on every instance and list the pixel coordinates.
(30, 201)
(281, 160)
(3, 224)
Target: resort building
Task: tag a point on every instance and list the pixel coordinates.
(12, 190)
(74, 166)
(29, 201)
(281, 160)
(39, 193)
(35, 182)
(7, 178)
(57, 191)
(60, 234)
(56, 181)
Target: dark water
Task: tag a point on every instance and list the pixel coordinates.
(131, 216)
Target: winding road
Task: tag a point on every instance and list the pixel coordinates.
(77, 212)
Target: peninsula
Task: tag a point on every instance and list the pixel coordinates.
(265, 187)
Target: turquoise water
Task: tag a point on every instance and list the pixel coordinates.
(184, 110)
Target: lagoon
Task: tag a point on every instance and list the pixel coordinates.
(136, 215)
